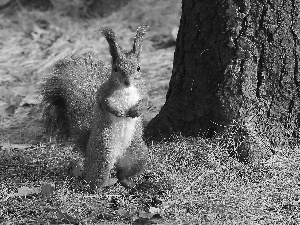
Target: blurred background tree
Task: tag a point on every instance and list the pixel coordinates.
(84, 7)
(104, 7)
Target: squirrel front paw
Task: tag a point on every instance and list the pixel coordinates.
(106, 104)
(117, 113)
(134, 111)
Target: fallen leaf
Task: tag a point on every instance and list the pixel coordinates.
(122, 212)
(24, 191)
(47, 190)
(15, 146)
(154, 210)
(106, 216)
(110, 182)
(66, 218)
(145, 215)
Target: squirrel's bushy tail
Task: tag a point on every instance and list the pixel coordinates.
(55, 114)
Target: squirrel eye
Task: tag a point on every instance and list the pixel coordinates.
(138, 69)
(116, 69)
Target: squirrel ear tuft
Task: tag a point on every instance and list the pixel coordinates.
(138, 39)
(114, 47)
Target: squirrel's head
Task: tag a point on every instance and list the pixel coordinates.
(125, 64)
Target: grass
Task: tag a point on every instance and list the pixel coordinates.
(197, 183)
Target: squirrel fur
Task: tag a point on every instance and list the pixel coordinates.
(100, 108)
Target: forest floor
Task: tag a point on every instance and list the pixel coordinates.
(196, 181)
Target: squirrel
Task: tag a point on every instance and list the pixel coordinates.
(100, 108)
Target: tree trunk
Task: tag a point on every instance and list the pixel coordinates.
(236, 62)
(105, 7)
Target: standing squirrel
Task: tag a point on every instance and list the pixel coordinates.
(100, 108)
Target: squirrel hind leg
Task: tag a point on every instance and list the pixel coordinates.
(127, 167)
(130, 164)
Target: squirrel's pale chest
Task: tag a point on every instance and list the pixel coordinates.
(123, 128)
(125, 98)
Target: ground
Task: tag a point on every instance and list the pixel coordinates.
(196, 182)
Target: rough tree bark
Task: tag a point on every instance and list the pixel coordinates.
(236, 62)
